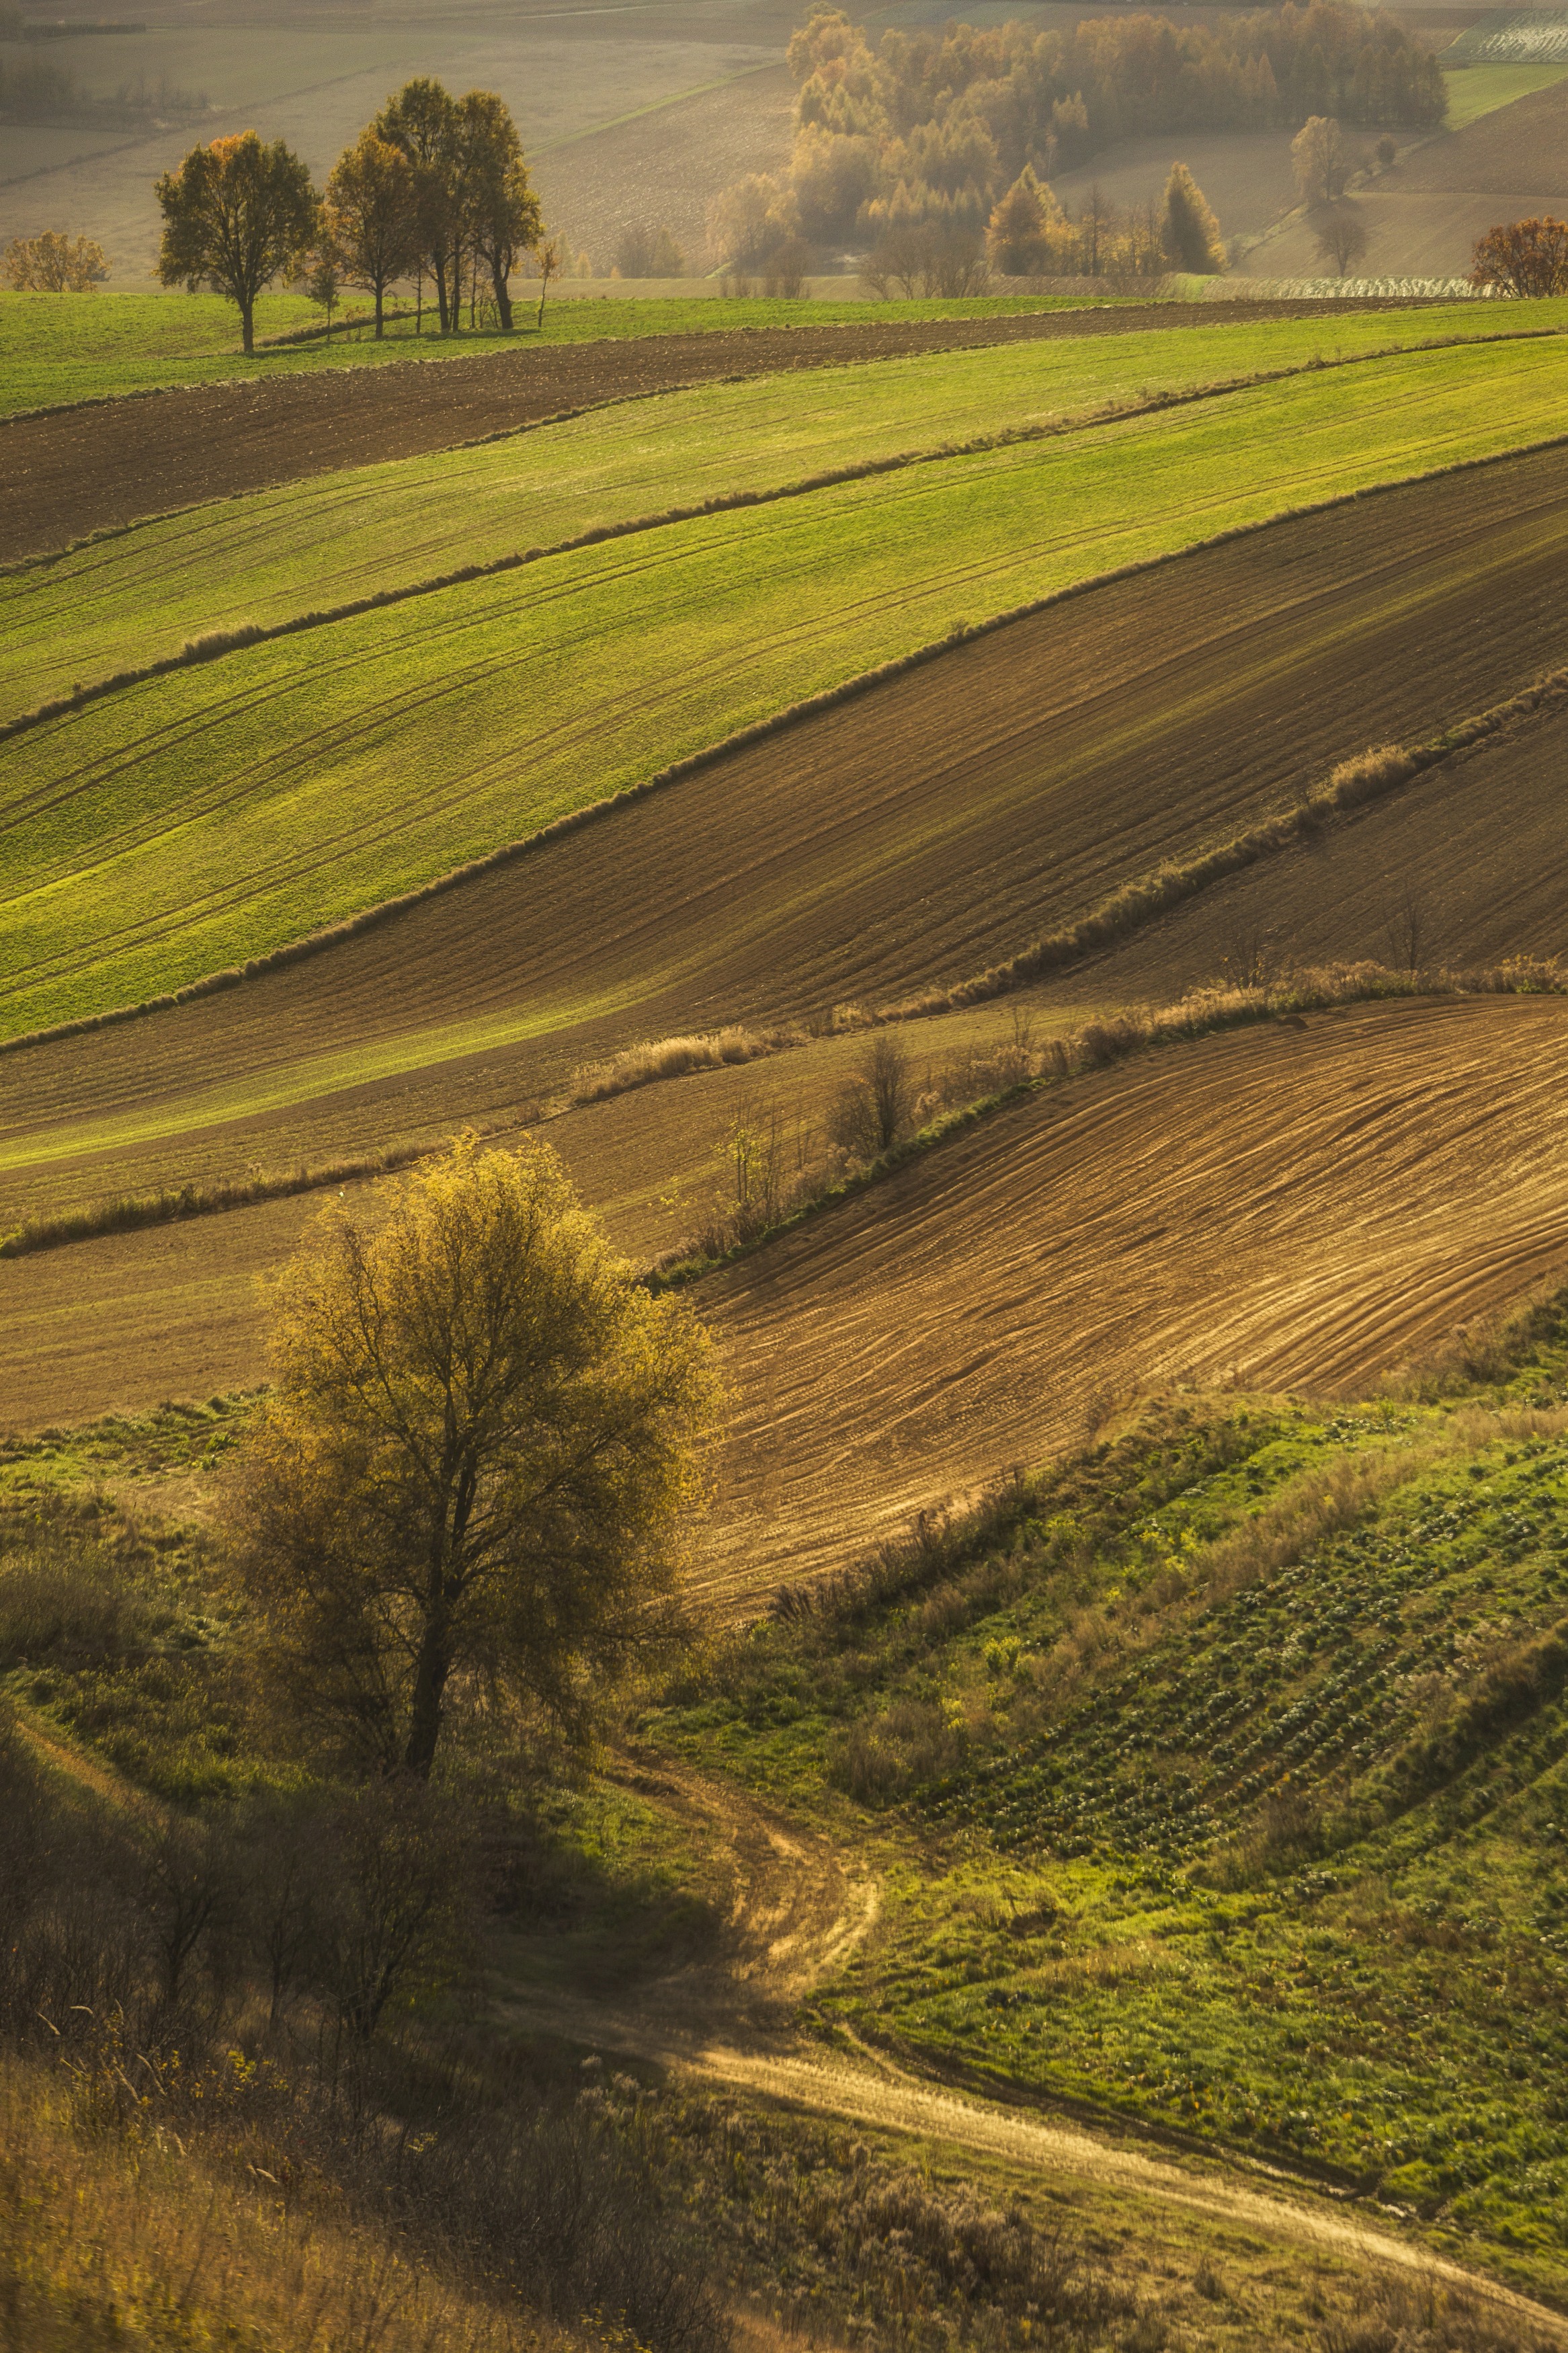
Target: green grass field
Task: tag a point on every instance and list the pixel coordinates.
(200, 819)
(1475, 90)
(139, 595)
(58, 348)
(1224, 1792)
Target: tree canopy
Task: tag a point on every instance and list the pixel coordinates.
(237, 215)
(52, 263)
(368, 218)
(472, 202)
(1191, 233)
(479, 1464)
(1524, 257)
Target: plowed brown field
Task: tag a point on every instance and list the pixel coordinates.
(1295, 1205)
(1474, 855)
(1298, 1205)
(904, 839)
(87, 469)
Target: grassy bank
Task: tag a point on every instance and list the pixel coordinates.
(1217, 1779)
(137, 596)
(143, 830)
(61, 349)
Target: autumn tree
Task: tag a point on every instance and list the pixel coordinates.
(481, 1455)
(1319, 160)
(1525, 258)
(421, 123)
(1342, 240)
(1017, 239)
(55, 264)
(1191, 233)
(369, 216)
(500, 210)
(237, 215)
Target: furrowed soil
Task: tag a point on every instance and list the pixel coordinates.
(89, 469)
(1465, 866)
(907, 838)
(1300, 1204)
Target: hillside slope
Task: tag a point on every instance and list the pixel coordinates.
(907, 838)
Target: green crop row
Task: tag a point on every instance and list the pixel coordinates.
(63, 348)
(137, 596)
(206, 816)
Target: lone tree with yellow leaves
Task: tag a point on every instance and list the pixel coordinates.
(237, 215)
(479, 1464)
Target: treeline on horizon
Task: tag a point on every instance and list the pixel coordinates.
(932, 127)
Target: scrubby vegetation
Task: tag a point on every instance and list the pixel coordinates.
(1216, 1780)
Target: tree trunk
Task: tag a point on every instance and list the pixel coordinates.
(379, 291)
(248, 328)
(503, 300)
(425, 1716)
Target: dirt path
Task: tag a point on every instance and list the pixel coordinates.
(797, 1911)
(87, 469)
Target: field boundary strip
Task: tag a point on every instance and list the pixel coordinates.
(792, 714)
(213, 645)
(1098, 1045)
(1050, 307)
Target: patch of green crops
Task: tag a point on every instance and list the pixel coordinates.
(208, 816)
(137, 596)
(62, 347)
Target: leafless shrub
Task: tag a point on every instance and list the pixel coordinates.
(876, 1106)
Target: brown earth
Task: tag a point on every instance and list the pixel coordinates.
(667, 167)
(1517, 147)
(1465, 866)
(1293, 1206)
(905, 839)
(1423, 216)
(83, 469)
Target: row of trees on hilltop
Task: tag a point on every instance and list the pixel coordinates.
(932, 127)
(436, 188)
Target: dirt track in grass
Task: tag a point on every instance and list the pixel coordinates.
(905, 839)
(796, 1909)
(86, 470)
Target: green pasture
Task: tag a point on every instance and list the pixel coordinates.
(1475, 90)
(139, 595)
(58, 348)
(204, 818)
(1260, 1846)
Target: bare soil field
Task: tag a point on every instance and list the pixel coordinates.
(1245, 175)
(88, 468)
(667, 166)
(562, 77)
(1295, 1206)
(909, 838)
(1423, 216)
(1298, 1205)
(1465, 866)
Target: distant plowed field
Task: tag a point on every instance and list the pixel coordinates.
(1303, 1205)
(913, 836)
(197, 819)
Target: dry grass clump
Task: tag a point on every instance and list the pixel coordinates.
(672, 1058)
(148, 2245)
(1430, 2316)
(131, 1212)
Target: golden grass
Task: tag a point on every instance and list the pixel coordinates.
(671, 1058)
(136, 2243)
